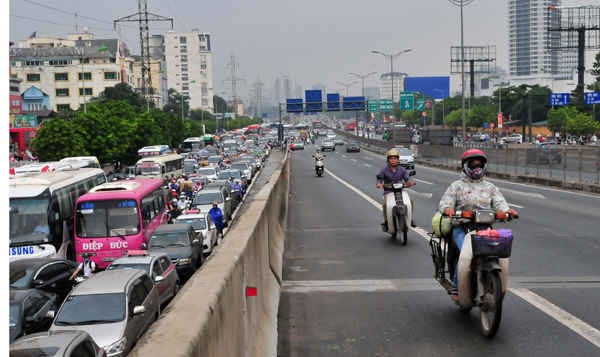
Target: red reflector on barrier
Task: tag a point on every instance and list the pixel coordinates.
(251, 291)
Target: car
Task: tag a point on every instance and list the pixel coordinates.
(513, 138)
(339, 141)
(214, 160)
(204, 227)
(115, 307)
(236, 195)
(353, 146)
(236, 174)
(66, 343)
(327, 145)
(205, 197)
(297, 145)
(480, 137)
(48, 274)
(29, 311)
(158, 266)
(210, 172)
(407, 158)
(245, 168)
(181, 243)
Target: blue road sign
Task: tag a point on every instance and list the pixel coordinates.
(354, 103)
(559, 99)
(333, 102)
(592, 98)
(294, 105)
(314, 100)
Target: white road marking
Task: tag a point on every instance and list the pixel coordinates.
(368, 165)
(423, 181)
(528, 194)
(578, 326)
(514, 205)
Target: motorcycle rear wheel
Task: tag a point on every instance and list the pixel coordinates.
(491, 305)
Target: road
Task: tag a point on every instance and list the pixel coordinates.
(348, 290)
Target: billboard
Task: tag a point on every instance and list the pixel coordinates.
(434, 87)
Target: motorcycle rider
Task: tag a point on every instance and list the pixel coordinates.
(471, 191)
(393, 173)
(318, 155)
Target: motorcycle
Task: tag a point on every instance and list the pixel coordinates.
(399, 217)
(319, 166)
(482, 264)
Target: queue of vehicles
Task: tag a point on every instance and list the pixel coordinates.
(60, 212)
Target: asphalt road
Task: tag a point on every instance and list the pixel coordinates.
(349, 290)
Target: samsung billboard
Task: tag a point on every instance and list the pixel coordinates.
(434, 87)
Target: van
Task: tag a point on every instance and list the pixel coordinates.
(115, 307)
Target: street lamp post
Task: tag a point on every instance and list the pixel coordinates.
(462, 4)
(362, 78)
(346, 85)
(391, 57)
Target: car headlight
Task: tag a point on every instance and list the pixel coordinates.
(117, 347)
(182, 261)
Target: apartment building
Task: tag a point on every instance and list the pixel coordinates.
(189, 65)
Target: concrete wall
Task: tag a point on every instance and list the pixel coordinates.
(211, 316)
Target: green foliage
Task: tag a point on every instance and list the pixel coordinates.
(557, 117)
(454, 118)
(123, 91)
(220, 105)
(58, 138)
(479, 114)
(595, 87)
(581, 124)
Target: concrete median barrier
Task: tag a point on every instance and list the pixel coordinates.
(229, 307)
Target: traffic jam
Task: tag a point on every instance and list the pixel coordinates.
(98, 257)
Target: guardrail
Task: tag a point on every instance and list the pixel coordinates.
(570, 167)
(229, 307)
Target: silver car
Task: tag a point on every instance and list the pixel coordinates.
(204, 227)
(115, 307)
(72, 343)
(160, 268)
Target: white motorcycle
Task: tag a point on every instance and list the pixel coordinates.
(399, 210)
(482, 265)
(319, 166)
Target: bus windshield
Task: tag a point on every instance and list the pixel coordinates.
(28, 220)
(111, 218)
(148, 168)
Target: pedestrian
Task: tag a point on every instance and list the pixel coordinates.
(216, 214)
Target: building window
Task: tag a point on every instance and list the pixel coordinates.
(185, 87)
(88, 91)
(182, 39)
(110, 75)
(204, 88)
(183, 58)
(183, 50)
(184, 77)
(60, 62)
(34, 63)
(62, 76)
(62, 92)
(86, 76)
(204, 102)
(202, 65)
(33, 77)
(63, 107)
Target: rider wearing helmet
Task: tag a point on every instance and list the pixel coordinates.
(318, 155)
(87, 266)
(471, 191)
(392, 173)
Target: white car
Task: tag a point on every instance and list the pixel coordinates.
(203, 225)
(407, 158)
(209, 172)
(513, 138)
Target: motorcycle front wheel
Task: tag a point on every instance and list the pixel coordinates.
(401, 229)
(491, 304)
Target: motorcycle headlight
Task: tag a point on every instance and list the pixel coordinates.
(117, 347)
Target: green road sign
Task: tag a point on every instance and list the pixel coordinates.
(374, 105)
(407, 101)
(385, 105)
(420, 104)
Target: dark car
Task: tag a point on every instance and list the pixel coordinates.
(48, 274)
(180, 242)
(29, 311)
(70, 343)
(353, 146)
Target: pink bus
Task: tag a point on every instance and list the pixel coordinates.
(118, 216)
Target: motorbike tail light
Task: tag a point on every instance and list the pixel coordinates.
(467, 214)
(500, 215)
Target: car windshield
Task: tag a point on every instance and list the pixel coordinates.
(15, 315)
(169, 239)
(197, 223)
(20, 278)
(128, 266)
(206, 198)
(206, 171)
(110, 218)
(91, 309)
(214, 159)
(405, 152)
(240, 166)
(227, 174)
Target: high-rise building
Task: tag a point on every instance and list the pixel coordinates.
(533, 58)
(385, 88)
(189, 67)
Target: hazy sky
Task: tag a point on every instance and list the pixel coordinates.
(312, 41)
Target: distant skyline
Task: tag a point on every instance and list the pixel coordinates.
(310, 41)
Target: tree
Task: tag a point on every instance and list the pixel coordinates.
(58, 138)
(174, 105)
(220, 105)
(480, 114)
(557, 118)
(123, 91)
(595, 87)
(582, 124)
(454, 118)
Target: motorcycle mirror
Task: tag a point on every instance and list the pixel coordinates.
(412, 173)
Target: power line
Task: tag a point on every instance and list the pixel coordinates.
(56, 23)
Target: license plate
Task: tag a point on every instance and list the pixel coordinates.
(110, 259)
(21, 251)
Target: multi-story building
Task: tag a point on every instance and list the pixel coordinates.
(189, 67)
(533, 58)
(70, 71)
(385, 88)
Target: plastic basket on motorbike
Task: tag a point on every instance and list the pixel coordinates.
(492, 242)
(442, 225)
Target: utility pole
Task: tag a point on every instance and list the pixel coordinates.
(142, 17)
(257, 95)
(234, 65)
